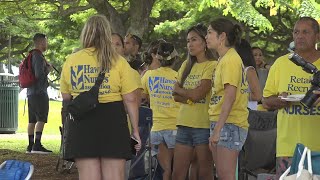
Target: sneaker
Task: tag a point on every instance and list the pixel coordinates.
(29, 148)
(39, 149)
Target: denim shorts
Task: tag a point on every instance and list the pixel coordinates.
(192, 136)
(231, 136)
(165, 136)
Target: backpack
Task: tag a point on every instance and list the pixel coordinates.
(26, 75)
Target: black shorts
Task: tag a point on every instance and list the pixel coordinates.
(38, 108)
(102, 132)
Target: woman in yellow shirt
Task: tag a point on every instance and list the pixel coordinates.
(228, 106)
(158, 85)
(100, 140)
(193, 92)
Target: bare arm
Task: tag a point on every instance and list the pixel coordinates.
(131, 102)
(138, 93)
(230, 93)
(255, 94)
(318, 100)
(66, 97)
(145, 98)
(196, 94)
(180, 99)
(274, 102)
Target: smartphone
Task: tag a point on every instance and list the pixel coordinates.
(133, 143)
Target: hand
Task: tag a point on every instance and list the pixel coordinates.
(136, 135)
(214, 139)
(316, 92)
(318, 100)
(281, 102)
(275, 102)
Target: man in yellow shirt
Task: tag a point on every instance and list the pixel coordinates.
(295, 123)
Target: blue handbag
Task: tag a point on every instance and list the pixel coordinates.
(315, 159)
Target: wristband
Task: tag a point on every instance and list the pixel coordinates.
(189, 102)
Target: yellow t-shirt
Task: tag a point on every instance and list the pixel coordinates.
(196, 115)
(158, 84)
(230, 70)
(81, 70)
(296, 123)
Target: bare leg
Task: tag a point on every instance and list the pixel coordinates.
(194, 168)
(226, 163)
(205, 162)
(113, 169)
(181, 162)
(39, 126)
(165, 159)
(89, 168)
(31, 127)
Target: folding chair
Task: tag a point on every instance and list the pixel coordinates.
(62, 165)
(145, 124)
(16, 170)
(259, 151)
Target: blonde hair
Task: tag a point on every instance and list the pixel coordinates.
(96, 33)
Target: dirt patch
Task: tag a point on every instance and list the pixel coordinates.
(45, 165)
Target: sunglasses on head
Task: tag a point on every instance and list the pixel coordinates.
(198, 28)
(132, 36)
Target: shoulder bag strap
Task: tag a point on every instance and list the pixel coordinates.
(100, 79)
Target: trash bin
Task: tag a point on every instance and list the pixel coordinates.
(9, 101)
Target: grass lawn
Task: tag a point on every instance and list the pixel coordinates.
(19, 143)
(13, 146)
(54, 118)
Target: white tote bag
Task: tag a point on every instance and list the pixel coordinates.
(302, 173)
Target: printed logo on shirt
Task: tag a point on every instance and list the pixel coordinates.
(215, 100)
(298, 109)
(83, 77)
(77, 77)
(160, 87)
(192, 81)
(201, 101)
(295, 84)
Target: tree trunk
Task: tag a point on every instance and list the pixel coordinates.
(105, 8)
(138, 14)
(140, 11)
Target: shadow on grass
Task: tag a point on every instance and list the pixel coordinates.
(44, 165)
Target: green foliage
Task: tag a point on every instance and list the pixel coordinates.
(267, 22)
(310, 8)
(241, 10)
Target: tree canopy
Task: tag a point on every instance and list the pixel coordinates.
(266, 23)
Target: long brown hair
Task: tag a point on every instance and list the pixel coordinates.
(96, 33)
(201, 30)
(233, 31)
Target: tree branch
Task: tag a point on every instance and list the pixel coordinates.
(18, 52)
(72, 10)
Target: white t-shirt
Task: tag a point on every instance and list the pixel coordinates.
(253, 105)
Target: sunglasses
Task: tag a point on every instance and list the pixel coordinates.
(201, 30)
(136, 38)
